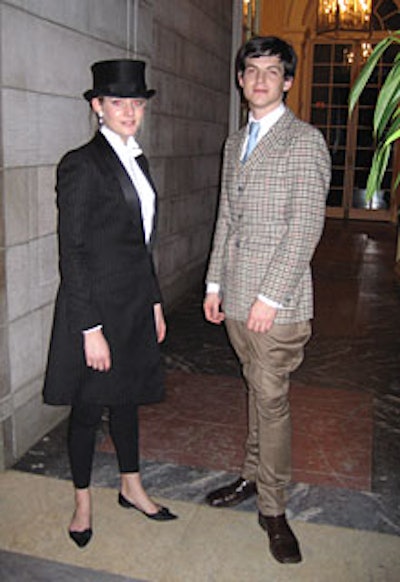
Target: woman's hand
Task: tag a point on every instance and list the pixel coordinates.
(97, 351)
(161, 327)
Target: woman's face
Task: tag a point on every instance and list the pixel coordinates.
(123, 115)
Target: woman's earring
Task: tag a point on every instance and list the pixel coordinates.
(100, 118)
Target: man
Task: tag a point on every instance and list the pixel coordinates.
(270, 220)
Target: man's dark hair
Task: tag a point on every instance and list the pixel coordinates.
(267, 46)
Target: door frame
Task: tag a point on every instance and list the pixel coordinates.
(346, 210)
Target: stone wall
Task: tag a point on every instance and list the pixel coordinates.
(47, 47)
(191, 70)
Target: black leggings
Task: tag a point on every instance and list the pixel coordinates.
(83, 422)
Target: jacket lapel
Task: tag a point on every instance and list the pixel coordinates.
(144, 166)
(276, 137)
(109, 160)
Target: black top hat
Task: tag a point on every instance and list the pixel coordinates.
(119, 78)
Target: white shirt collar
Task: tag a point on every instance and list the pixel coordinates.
(268, 120)
(119, 145)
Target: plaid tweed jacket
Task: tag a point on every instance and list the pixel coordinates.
(270, 219)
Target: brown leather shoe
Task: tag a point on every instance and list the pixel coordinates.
(282, 541)
(232, 494)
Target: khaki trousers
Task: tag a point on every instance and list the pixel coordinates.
(267, 360)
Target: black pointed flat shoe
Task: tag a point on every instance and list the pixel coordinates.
(163, 514)
(81, 538)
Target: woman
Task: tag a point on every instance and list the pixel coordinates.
(108, 317)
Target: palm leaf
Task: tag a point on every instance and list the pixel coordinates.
(368, 68)
(388, 100)
(393, 132)
(377, 171)
(386, 124)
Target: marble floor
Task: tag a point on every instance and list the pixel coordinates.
(345, 401)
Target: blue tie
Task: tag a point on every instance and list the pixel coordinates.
(252, 140)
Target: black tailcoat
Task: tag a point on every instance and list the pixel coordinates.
(107, 277)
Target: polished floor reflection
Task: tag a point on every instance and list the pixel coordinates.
(203, 424)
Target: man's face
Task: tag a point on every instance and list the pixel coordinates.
(263, 84)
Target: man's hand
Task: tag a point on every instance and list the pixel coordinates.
(261, 317)
(161, 326)
(211, 306)
(97, 351)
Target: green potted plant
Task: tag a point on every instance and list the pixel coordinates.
(386, 122)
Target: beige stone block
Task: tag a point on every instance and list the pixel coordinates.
(33, 419)
(18, 186)
(3, 288)
(30, 209)
(50, 132)
(101, 19)
(32, 275)
(4, 365)
(18, 269)
(206, 171)
(30, 65)
(46, 201)
(25, 335)
(161, 136)
(159, 168)
(168, 49)
(24, 394)
(199, 23)
(141, 32)
(44, 276)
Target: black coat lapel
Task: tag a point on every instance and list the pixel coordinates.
(144, 166)
(108, 158)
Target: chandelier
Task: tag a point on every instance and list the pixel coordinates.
(350, 15)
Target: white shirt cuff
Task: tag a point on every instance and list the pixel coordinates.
(213, 288)
(95, 328)
(269, 302)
